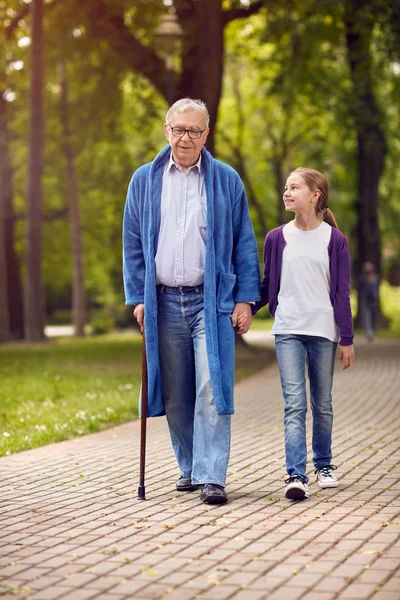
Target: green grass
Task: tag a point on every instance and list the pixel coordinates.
(66, 387)
(262, 324)
(63, 388)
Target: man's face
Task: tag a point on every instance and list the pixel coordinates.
(186, 151)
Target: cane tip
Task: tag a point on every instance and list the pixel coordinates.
(141, 493)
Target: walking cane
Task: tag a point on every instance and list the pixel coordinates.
(143, 423)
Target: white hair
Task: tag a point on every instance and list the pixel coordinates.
(184, 104)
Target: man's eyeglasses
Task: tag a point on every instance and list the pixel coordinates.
(194, 134)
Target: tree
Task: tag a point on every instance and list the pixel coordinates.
(5, 322)
(202, 49)
(34, 291)
(284, 67)
(10, 288)
(78, 279)
(371, 142)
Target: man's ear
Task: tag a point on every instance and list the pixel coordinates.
(166, 131)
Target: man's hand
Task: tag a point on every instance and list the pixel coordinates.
(346, 355)
(138, 313)
(241, 317)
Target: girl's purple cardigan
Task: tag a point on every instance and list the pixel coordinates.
(339, 266)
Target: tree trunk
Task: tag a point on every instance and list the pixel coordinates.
(5, 321)
(202, 55)
(277, 165)
(12, 282)
(78, 287)
(371, 142)
(34, 293)
(15, 294)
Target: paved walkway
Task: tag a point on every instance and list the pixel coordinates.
(72, 528)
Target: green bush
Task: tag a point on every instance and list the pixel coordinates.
(263, 313)
(390, 301)
(102, 322)
(61, 316)
(123, 316)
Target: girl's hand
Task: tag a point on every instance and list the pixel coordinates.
(346, 355)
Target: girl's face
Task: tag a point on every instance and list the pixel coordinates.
(297, 196)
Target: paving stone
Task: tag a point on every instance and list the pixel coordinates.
(358, 590)
(83, 594)
(48, 593)
(219, 592)
(381, 595)
(98, 541)
(284, 593)
(250, 595)
(42, 583)
(319, 595)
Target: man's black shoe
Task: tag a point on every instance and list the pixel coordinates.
(184, 484)
(212, 493)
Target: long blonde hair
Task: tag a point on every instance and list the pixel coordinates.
(314, 180)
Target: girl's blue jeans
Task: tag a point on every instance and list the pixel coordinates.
(293, 353)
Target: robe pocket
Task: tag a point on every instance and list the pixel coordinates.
(225, 301)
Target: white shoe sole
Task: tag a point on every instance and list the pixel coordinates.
(327, 485)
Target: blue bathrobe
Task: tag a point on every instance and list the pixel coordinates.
(231, 272)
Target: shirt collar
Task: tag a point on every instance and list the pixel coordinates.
(172, 163)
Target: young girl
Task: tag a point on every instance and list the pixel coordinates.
(307, 285)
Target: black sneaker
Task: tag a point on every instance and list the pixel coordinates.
(184, 484)
(296, 489)
(212, 493)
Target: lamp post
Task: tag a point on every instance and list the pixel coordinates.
(167, 34)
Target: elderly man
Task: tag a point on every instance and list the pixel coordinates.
(191, 270)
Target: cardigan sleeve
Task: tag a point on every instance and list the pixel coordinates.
(133, 259)
(266, 276)
(341, 304)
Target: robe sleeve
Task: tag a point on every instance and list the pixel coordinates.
(133, 259)
(245, 254)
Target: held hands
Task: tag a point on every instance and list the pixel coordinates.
(346, 355)
(241, 317)
(138, 313)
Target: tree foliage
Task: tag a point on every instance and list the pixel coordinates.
(277, 77)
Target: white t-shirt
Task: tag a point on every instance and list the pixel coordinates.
(304, 305)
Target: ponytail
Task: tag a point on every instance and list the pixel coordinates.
(329, 218)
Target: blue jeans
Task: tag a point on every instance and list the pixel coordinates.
(200, 437)
(368, 311)
(293, 351)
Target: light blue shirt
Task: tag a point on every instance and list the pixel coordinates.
(181, 246)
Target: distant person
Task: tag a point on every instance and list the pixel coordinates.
(191, 269)
(368, 294)
(307, 286)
